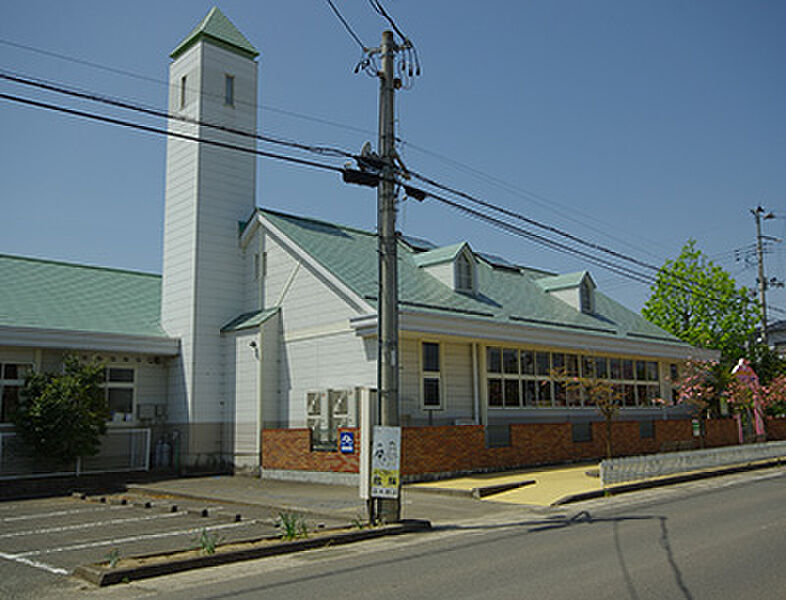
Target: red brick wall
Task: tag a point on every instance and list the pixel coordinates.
(290, 449)
(721, 432)
(448, 449)
(776, 429)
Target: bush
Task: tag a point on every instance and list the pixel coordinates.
(62, 416)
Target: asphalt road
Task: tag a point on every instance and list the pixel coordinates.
(718, 539)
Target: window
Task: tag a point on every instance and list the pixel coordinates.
(432, 397)
(585, 297)
(119, 386)
(464, 275)
(521, 378)
(183, 91)
(229, 90)
(12, 378)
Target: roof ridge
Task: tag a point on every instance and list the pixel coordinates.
(78, 265)
(279, 213)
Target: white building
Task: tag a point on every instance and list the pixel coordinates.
(257, 312)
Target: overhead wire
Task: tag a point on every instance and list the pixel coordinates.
(165, 132)
(541, 240)
(108, 100)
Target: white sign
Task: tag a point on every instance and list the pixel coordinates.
(385, 462)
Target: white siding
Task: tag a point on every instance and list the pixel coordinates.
(306, 299)
(242, 399)
(332, 361)
(444, 272)
(456, 381)
(209, 190)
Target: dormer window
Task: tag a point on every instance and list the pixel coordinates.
(465, 276)
(575, 289)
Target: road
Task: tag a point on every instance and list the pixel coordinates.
(716, 539)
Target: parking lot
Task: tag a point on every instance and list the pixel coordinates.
(58, 534)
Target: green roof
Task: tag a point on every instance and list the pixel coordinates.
(439, 255)
(216, 28)
(250, 319)
(45, 294)
(504, 295)
(561, 282)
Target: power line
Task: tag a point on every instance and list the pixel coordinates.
(341, 18)
(58, 88)
(161, 82)
(541, 240)
(156, 130)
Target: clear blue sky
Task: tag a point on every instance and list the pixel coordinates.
(633, 124)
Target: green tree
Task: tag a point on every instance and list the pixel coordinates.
(700, 303)
(62, 416)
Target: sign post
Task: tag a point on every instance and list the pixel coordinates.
(386, 462)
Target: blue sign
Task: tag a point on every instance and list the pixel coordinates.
(347, 442)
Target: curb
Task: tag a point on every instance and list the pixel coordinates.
(667, 480)
(102, 576)
(476, 492)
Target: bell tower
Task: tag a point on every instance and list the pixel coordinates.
(209, 190)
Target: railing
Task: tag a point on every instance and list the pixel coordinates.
(631, 468)
(121, 450)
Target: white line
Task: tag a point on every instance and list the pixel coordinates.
(61, 513)
(34, 563)
(88, 525)
(135, 538)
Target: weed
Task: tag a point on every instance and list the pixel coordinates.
(207, 541)
(113, 557)
(292, 525)
(359, 522)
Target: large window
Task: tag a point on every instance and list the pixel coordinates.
(12, 378)
(119, 387)
(522, 378)
(430, 368)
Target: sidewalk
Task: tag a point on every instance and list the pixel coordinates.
(441, 502)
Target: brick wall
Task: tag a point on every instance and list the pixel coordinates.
(450, 449)
(290, 450)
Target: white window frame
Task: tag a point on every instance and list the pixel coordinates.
(462, 273)
(107, 385)
(431, 375)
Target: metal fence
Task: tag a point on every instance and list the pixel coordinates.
(121, 450)
(631, 468)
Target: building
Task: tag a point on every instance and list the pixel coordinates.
(263, 321)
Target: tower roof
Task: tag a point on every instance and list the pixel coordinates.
(219, 30)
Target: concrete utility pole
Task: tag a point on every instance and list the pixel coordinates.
(757, 214)
(387, 303)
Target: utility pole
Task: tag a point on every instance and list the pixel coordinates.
(387, 297)
(757, 214)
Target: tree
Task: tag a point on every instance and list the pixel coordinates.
(62, 416)
(774, 397)
(600, 393)
(700, 303)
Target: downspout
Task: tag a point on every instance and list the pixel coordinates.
(475, 385)
(260, 394)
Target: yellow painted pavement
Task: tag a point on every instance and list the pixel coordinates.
(550, 485)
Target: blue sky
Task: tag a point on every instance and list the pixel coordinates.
(636, 125)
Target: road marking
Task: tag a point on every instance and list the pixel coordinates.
(34, 563)
(134, 538)
(62, 513)
(88, 525)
